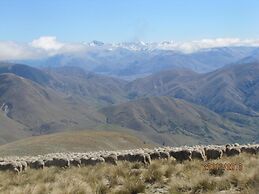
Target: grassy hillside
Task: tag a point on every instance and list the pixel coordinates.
(77, 141)
(71, 80)
(99, 89)
(162, 83)
(10, 130)
(229, 89)
(27, 72)
(39, 102)
(177, 119)
(51, 101)
(43, 110)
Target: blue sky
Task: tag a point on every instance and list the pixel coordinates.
(128, 20)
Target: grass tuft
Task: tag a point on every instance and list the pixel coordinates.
(130, 178)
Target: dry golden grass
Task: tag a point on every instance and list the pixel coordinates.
(165, 176)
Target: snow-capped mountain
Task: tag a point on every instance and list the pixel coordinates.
(136, 59)
(95, 43)
(184, 47)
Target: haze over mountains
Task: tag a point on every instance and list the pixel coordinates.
(173, 105)
(132, 60)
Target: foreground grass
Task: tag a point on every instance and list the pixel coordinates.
(163, 176)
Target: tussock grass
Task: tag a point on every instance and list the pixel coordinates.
(154, 174)
(167, 176)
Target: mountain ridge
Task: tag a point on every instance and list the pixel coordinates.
(237, 86)
(74, 99)
(172, 116)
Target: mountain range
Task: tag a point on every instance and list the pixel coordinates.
(173, 107)
(134, 60)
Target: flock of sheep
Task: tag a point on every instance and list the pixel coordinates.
(145, 155)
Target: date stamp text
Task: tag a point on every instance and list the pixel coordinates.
(224, 166)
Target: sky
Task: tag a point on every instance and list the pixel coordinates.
(30, 27)
(128, 20)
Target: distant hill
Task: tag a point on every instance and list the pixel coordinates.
(71, 81)
(10, 130)
(26, 71)
(252, 58)
(231, 89)
(163, 83)
(41, 101)
(41, 109)
(76, 141)
(97, 88)
(175, 118)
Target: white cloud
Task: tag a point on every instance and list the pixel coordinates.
(12, 51)
(196, 45)
(49, 45)
(42, 47)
